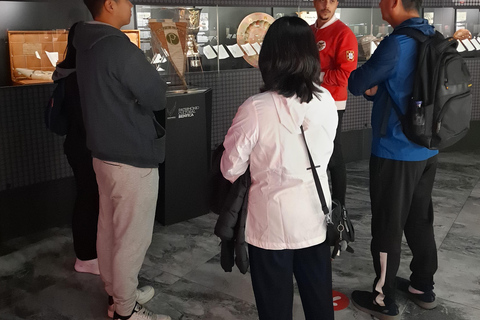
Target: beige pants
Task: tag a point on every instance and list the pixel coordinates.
(128, 198)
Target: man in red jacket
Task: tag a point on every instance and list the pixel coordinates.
(338, 51)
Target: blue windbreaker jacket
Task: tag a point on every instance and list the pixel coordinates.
(392, 68)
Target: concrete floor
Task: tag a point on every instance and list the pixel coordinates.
(37, 280)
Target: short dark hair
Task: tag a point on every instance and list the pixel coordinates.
(94, 6)
(289, 60)
(412, 5)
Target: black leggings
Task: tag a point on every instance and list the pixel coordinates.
(336, 165)
(85, 211)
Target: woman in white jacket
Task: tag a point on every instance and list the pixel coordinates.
(285, 227)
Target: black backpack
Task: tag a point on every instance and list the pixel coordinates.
(56, 118)
(441, 105)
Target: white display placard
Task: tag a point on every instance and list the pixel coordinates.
(142, 18)
(235, 50)
(222, 52)
(460, 47)
(257, 47)
(468, 44)
(209, 52)
(247, 47)
(476, 43)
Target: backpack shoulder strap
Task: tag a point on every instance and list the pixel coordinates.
(412, 33)
(438, 40)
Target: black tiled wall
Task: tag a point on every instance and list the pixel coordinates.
(474, 68)
(30, 154)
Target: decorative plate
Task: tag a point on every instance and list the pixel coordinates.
(252, 30)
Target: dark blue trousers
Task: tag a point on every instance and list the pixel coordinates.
(272, 279)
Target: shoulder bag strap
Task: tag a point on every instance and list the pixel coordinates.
(315, 177)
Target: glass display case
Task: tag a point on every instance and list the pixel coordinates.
(467, 25)
(34, 54)
(225, 38)
(468, 19)
(212, 41)
(442, 19)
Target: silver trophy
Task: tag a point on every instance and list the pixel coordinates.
(192, 17)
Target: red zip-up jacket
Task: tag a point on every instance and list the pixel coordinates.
(338, 51)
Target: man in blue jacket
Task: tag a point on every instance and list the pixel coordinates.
(119, 91)
(401, 172)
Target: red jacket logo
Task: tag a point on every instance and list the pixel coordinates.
(350, 55)
(321, 45)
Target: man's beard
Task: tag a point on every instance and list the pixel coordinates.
(323, 17)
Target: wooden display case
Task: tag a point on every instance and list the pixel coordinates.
(134, 36)
(28, 50)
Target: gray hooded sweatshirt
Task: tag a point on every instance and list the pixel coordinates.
(119, 90)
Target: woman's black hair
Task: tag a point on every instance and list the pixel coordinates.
(71, 52)
(289, 60)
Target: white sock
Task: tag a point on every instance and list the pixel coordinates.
(414, 291)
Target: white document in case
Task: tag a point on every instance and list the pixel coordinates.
(222, 52)
(235, 50)
(257, 47)
(157, 58)
(209, 52)
(53, 57)
(247, 47)
(201, 38)
(468, 45)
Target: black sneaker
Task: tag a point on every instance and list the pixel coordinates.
(424, 300)
(364, 301)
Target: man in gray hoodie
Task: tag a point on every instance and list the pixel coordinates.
(119, 90)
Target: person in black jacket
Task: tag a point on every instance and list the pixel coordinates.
(85, 211)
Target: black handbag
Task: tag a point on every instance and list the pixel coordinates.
(340, 231)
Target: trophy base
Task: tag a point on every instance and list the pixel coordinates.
(194, 63)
